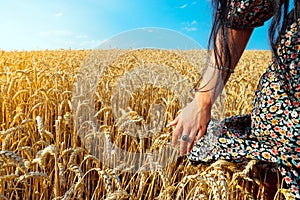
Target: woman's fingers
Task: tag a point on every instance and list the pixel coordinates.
(190, 145)
(197, 136)
(200, 134)
(177, 133)
(192, 137)
(184, 143)
(174, 122)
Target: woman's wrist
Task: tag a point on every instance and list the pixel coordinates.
(204, 99)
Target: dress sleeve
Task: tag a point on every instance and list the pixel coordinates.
(244, 14)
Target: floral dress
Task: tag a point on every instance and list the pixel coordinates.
(271, 132)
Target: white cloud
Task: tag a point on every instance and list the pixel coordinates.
(190, 26)
(183, 6)
(189, 29)
(58, 14)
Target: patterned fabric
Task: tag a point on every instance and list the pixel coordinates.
(271, 132)
(249, 13)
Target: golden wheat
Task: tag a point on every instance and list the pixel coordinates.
(92, 109)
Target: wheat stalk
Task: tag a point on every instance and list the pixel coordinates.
(9, 156)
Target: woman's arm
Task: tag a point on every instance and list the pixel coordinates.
(193, 119)
(215, 77)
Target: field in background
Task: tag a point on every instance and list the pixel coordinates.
(51, 149)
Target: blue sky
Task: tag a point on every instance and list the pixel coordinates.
(81, 24)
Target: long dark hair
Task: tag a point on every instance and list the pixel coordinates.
(220, 24)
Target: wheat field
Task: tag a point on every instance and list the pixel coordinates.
(83, 124)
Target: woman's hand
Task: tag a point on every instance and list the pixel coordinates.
(194, 118)
(192, 122)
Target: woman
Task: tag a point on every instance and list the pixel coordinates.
(271, 131)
